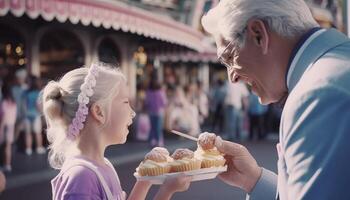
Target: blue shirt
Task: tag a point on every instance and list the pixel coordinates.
(31, 103)
(18, 93)
(255, 107)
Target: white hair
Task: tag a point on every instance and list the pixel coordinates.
(229, 18)
(59, 102)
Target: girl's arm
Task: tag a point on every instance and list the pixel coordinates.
(166, 191)
(171, 186)
(140, 190)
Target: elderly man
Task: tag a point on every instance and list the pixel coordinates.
(277, 48)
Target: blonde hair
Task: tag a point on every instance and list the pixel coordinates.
(59, 102)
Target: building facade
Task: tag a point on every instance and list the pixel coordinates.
(51, 37)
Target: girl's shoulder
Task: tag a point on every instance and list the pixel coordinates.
(82, 168)
(77, 180)
(78, 174)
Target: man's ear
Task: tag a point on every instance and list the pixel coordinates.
(98, 113)
(258, 31)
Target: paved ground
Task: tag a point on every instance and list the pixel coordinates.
(31, 176)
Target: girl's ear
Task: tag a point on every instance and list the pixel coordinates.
(98, 113)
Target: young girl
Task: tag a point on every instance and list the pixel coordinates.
(7, 125)
(86, 111)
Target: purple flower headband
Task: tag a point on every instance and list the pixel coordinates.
(86, 92)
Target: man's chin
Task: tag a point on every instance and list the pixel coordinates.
(279, 101)
(265, 101)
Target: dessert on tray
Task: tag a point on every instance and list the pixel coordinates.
(156, 163)
(163, 151)
(205, 163)
(184, 160)
(207, 152)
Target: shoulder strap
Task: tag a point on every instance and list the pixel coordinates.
(77, 162)
(122, 194)
(111, 166)
(326, 41)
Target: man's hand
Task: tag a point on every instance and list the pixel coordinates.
(243, 171)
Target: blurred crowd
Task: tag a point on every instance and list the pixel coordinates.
(20, 116)
(230, 110)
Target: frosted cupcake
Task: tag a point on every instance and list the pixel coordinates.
(184, 160)
(156, 163)
(207, 152)
(164, 152)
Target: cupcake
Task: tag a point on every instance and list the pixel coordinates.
(163, 151)
(184, 160)
(156, 163)
(206, 140)
(207, 152)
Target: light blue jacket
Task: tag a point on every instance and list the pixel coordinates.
(314, 156)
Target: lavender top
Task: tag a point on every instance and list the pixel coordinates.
(155, 101)
(79, 182)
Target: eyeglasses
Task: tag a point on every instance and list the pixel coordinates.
(227, 56)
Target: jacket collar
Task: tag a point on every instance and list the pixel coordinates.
(312, 46)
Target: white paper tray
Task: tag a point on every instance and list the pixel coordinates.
(197, 175)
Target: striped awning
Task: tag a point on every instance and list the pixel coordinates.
(189, 56)
(108, 14)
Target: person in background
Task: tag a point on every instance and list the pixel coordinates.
(190, 109)
(155, 103)
(4, 76)
(183, 115)
(32, 121)
(236, 101)
(143, 124)
(18, 91)
(202, 103)
(2, 182)
(7, 125)
(257, 113)
(218, 99)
